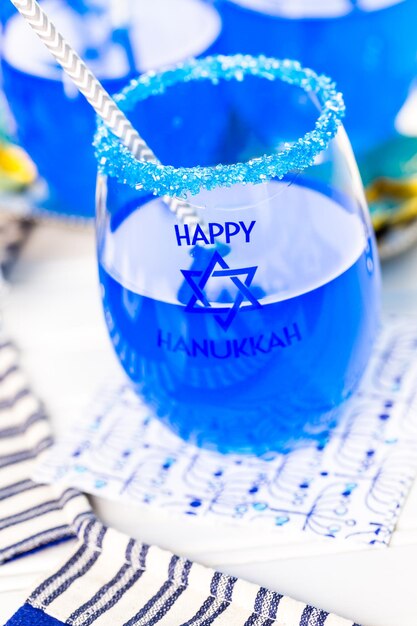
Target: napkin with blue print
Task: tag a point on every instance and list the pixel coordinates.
(108, 578)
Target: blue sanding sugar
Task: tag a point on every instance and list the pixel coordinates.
(115, 160)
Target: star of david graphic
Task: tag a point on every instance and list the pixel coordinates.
(198, 280)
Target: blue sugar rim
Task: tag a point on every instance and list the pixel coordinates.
(115, 160)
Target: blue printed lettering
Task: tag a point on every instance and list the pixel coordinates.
(246, 347)
(276, 342)
(294, 335)
(212, 232)
(215, 230)
(256, 345)
(239, 348)
(247, 231)
(199, 236)
(231, 229)
(181, 346)
(185, 236)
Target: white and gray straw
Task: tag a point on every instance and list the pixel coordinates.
(98, 97)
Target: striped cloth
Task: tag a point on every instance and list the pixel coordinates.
(13, 232)
(32, 516)
(108, 579)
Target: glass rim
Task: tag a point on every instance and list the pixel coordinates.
(115, 160)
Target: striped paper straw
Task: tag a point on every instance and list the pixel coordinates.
(98, 97)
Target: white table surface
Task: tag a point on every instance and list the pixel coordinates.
(54, 313)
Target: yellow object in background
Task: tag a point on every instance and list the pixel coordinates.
(17, 171)
(406, 212)
(394, 202)
(396, 189)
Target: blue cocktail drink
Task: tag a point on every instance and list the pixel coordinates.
(368, 46)
(247, 332)
(54, 122)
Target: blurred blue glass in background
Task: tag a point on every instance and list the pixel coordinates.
(118, 40)
(368, 46)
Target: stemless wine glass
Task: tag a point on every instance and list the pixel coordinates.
(246, 325)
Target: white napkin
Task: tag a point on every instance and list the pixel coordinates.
(351, 493)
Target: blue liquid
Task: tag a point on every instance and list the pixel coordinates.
(369, 52)
(275, 377)
(56, 125)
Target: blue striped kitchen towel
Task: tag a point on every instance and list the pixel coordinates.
(32, 515)
(108, 579)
